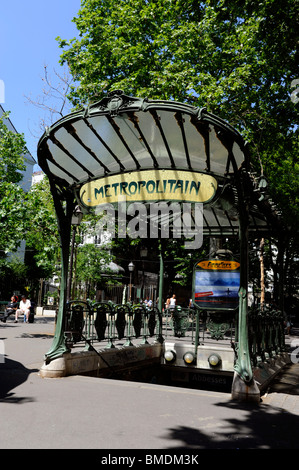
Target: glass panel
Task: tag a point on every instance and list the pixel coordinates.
(66, 162)
(238, 154)
(61, 174)
(218, 154)
(223, 221)
(154, 138)
(104, 129)
(196, 145)
(92, 142)
(133, 139)
(209, 216)
(173, 135)
(76, 149)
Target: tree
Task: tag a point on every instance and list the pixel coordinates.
(13, 219)
(13, 276)
(239, 59)
(42, 239)
(53, 100)
(92, 263)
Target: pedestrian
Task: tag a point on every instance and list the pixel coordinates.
(11, 308)
(288, 326)
(172, 301)
(24, 309)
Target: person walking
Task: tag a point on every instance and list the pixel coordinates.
(24, 309)
(172, 301)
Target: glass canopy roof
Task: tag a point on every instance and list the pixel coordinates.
(138, 134)
(122, 134)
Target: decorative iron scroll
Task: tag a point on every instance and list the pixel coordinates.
(151, 321)
(138, 320)
(218, 326)
(100, 322)
(120, 322)
(74, 323)
(180, 321)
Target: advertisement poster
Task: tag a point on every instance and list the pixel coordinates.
(216, 284)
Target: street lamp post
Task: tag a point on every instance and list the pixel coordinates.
(76, 221)
(131, 268)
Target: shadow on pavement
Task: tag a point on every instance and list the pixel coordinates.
(13, 374)
(36, 335)
(261, 427)
(286, 381)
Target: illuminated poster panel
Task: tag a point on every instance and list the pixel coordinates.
(216, 284)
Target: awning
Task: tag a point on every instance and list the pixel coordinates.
(124, 135)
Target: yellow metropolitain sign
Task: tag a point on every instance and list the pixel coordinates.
(150, 185)
(219, 265)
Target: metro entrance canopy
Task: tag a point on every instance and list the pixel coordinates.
(154, 150)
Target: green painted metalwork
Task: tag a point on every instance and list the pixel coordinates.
(243, 363)
(161, 279)
(127, 134)
(74, 321)
(102, 310)
(120, 322)
(266, 334)
(108, 322)
(129, 327)
(180, 321)
(64, 206)
(218, 326)
(138, 320)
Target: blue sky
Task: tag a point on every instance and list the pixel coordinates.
(28, 29)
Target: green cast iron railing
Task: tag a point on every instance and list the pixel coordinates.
(266, 334)
(107, 323)
(111, 324)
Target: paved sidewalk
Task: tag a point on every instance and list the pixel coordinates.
(90, 413)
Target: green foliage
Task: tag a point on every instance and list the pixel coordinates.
(13, 220)
(92, 267)
(42, 235)
(24, 216)
(13, 276)
(12, 198)
(179, 262)
(236, 58)
(12, 150)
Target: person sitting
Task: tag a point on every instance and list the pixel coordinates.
(24, 309)
(11, 308)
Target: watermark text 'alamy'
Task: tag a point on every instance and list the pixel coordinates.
(154, 220)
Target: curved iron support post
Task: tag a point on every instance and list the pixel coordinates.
(160, 294)
(64, 216)
(244, 387)
(161, 278)
(243, 364)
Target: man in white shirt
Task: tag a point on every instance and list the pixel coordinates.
(24, 309)
(172, 302)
